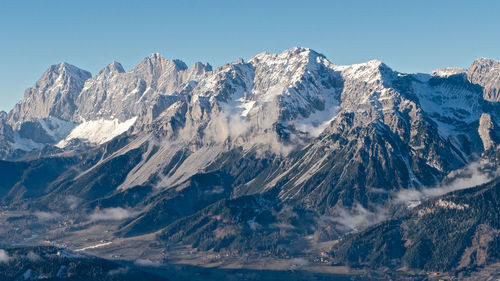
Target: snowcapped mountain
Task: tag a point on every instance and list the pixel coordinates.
(295, 101)
(291, 144)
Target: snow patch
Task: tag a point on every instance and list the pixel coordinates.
(24, 143)
(56, 128)
(98, 131)
(368, 72)
(317, 122)
(447, 71)
(247, 106)
(94, 246)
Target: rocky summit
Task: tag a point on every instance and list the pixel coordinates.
(284, 161)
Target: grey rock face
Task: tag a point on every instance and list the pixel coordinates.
(486, 72)
(53, 95)
(113, 93)
(488, 131)
(5, 129)
(6, 135)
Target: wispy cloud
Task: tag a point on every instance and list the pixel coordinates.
(469, 177)
(32, 256)
(46, 216)
(358, 217)
(111, 214)
(249, 131)
(147, 262)
(119, 271)
(72, 202)
(299, 262)
(4, 256)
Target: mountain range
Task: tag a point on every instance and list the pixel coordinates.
(287, 160)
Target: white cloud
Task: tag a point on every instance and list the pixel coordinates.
(249, 131)
(299, 262)
(111, 214)
(72, 202)
(146, 262)
(118, 271)
(469, 177)
(4, 256)
(46, 216)
(358, 217)
(32, 256)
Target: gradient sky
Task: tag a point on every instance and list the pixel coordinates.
(409, 36)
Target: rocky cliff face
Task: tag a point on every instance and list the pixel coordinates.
(6, 135)
(53, 95)
(114, 93)
(485, 72)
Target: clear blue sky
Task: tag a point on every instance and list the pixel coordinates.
(410, 36)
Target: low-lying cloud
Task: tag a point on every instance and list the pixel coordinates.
(469, 177)
(299, 262)
(72, 202)
(4, 256)
(111, 214)
(245, 130)
(32, 256)
(147, 262)
(119, 271)
(46, 216)
(358, 217)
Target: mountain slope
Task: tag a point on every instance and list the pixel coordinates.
(455, 231)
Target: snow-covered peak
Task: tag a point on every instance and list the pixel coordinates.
(447, 71)
(296, 55)
(277, 72)
(369, 66)
(373, 71)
